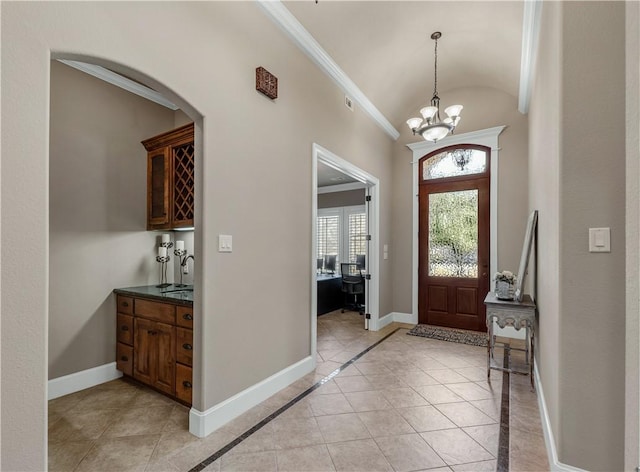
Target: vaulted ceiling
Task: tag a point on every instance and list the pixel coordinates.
(385, 48)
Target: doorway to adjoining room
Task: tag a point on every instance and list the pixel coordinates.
(344, 242)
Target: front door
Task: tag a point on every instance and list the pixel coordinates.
(454, 237)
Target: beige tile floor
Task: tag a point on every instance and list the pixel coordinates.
(409, 404)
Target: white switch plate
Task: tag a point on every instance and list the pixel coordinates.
(225, 243)
(599, 240)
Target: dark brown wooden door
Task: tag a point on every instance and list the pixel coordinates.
(453, 246)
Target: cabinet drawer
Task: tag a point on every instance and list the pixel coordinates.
(184, 316)
(184, 385)
(125, 305)
(124, 359)
(184, 346)
(125, 329)
(156, 311)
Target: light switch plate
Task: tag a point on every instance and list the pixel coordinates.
(225, 243)
(599, 240)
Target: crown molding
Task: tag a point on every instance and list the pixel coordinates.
(120, 81)
(288, 23)
(530, 38)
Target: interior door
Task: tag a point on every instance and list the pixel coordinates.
(366, 271)
(454, 247)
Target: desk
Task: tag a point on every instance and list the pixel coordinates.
(330, 296)
(516, 314)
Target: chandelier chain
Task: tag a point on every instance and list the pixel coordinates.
(435, 70)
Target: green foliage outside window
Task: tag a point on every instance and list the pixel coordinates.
(453, 234)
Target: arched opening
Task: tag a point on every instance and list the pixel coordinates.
(97, 234)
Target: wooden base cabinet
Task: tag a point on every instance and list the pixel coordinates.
(152, 349)
(154, 358)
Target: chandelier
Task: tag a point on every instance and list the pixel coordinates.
(430, 127)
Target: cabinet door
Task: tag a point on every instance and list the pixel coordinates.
(184, 387)
(165, 338)
(125, 329)
(182, 156)
(144, 352)
(184, 346)
(124, 358)
(158, 188)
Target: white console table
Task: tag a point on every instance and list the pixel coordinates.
(511, 313)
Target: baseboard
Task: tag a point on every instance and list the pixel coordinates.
(405, 318)
(202, 424)
(397, 317)
(554, 464)
(80, 380)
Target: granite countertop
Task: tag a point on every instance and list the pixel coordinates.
(173, 294)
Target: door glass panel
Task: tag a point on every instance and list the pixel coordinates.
(454, 163)
(453, 234)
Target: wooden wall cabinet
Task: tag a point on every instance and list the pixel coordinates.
(155, 345)
(170, 179)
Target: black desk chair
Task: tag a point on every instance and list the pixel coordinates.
(352, 286)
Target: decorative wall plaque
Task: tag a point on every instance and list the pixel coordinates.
(266, 83)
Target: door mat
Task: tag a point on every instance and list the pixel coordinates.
(453, 335)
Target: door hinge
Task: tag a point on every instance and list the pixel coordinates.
(367, 276)
(368, 237)
(367, 198)
(367, 316)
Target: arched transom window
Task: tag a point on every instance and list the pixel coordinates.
(455, 162)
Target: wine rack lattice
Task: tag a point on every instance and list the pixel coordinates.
(183, 183)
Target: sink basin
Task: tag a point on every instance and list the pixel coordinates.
(178, 290)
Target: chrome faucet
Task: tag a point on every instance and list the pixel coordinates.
(184, 261)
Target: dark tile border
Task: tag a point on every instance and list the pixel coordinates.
(503, 439)
(219, 453)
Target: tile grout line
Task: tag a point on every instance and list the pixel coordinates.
(503, 439)
(219, 453)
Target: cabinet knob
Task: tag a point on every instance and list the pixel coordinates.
(124, 358)
(125, 303)
(151, 332)
(187, 316)
(125, 328)
(186, 384)
(187, 346)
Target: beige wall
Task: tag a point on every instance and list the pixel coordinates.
(577, 182)
(544, 191)
(97, 212)
(632, 327)
(340, 199)
(591, 182)
(220, 50)
(483, 108)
